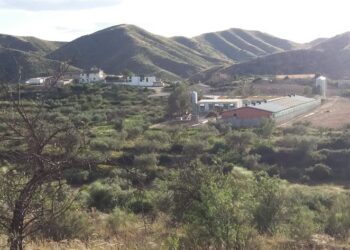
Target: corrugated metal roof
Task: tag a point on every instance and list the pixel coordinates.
(219, 100)
(283, 103)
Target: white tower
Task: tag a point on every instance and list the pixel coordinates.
(321, 82)
(194, 97)
(194, 101)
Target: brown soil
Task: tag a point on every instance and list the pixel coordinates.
(334, 113)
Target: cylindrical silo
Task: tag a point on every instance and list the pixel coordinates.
(194, 97)
(321, 82)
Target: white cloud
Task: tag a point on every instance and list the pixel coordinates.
(297, 20)
(42, 5)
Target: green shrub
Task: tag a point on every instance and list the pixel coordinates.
(99, 118)
(319, 172)
(142, 207)
(270, 204)
(71, 225)
(102, 197)
(118, 219)
(195, 147)
(301, 223)
(338, 222)
(104, 144)
(76, 176)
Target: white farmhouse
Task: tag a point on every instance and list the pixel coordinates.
(93, 75)
(144, 81)
(38, 80)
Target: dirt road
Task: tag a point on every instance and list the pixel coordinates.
(334, 113)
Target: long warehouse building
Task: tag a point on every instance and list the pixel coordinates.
(280, 109)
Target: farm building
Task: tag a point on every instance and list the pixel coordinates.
(214, 103)
(279, 109)
(93, 75)
(140, 81)
(296, 76)
(39, 80)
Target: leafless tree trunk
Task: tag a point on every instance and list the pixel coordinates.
(32, 182)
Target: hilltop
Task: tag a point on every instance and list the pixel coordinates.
(27, 54)
(129, 47)
(330, 57)
(30, 64)
(209, 57)
(29, 44)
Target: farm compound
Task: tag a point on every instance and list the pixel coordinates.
(280, 109)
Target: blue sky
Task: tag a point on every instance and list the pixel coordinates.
(65, 20)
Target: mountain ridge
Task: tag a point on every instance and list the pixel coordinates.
(330, 57)
(175, 57)
(200, 58)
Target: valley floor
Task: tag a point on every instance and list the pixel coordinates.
(334, 113)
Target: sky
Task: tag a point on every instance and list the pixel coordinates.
(65, 20)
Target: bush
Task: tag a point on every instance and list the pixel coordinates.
(149, 146)
(194, 147)
(222, 217)
(251, 161)
(319, 172)
(176, 148)
(102, 197)
(266, 128)
(133, 131)
(142, 207)
(99, 118)
(118, 219)
(119, 124)
(76, 176)
(338, 222)
(297, 128)
(267, 214)
(301, 223)
(105, 144)
(71, 225)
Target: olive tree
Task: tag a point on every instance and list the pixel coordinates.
(179, 101)
(35, 151)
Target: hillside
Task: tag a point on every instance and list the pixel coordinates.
(27, 53)
(339, 43)
(31, 65)
(29, 44)
(209, 57)
(128, 47)
(330, 57)
(237, 45)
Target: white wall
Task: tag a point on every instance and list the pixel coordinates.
(146, 81)
(206, 107)
(39, 80)
(92, 77)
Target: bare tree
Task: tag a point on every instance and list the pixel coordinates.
(35, 150)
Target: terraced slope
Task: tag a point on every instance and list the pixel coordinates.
(237, 45)
(29, 44)
(330, 57)
(129, 47)
(11, 61)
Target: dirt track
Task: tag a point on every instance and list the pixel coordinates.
(334, 113)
